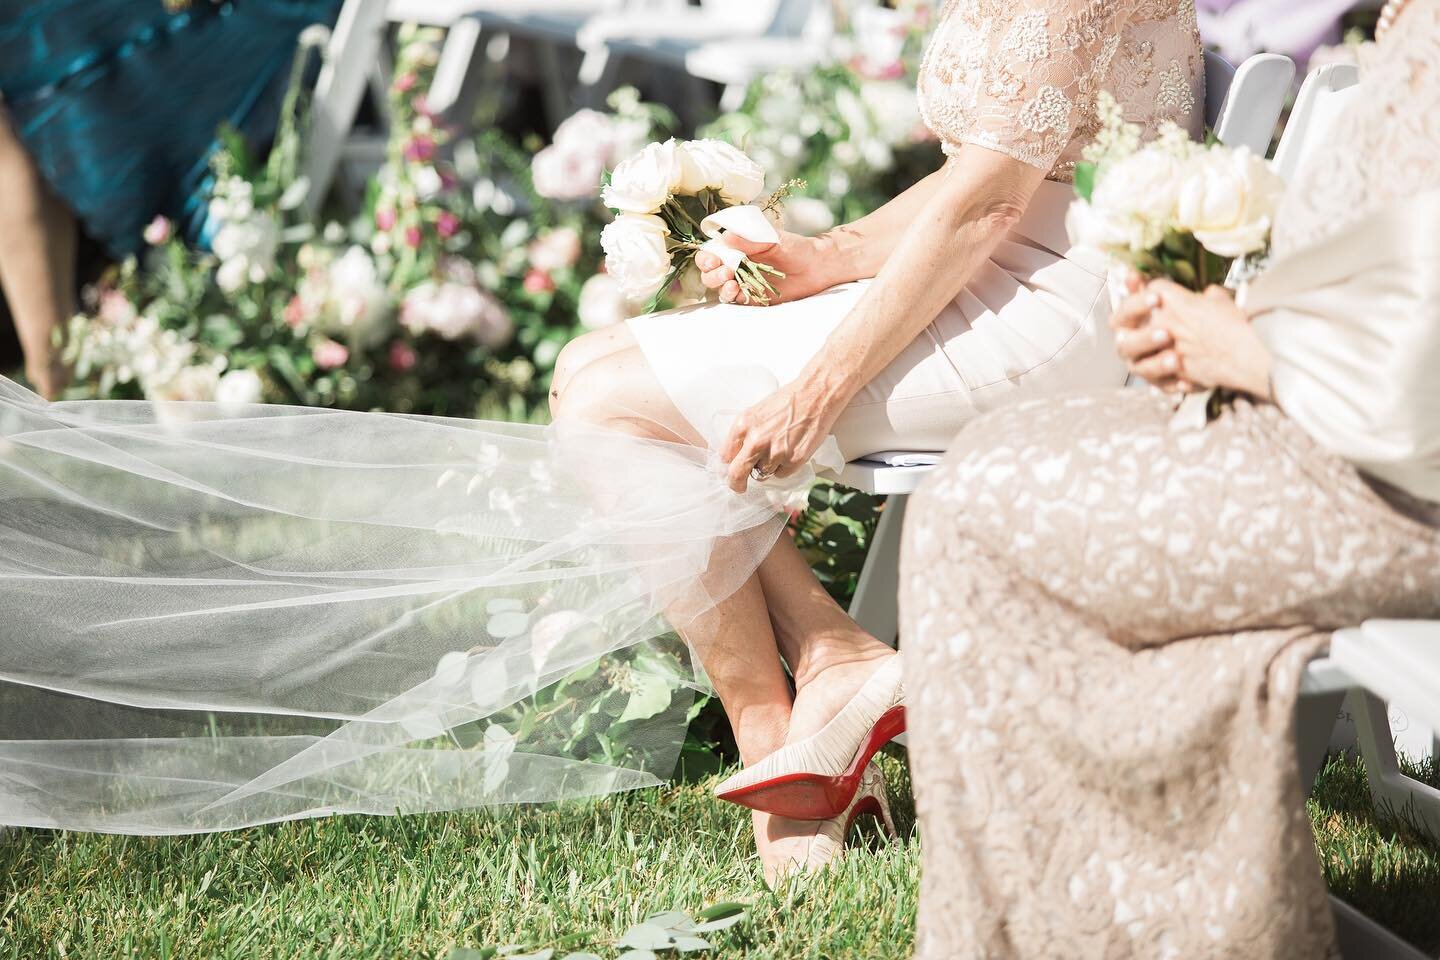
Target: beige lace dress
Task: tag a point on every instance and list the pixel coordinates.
(1106, 619)
(1019, 78)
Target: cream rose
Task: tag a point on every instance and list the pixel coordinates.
(718, 165)
(645, 181)
(636, 254)
(1228, 199)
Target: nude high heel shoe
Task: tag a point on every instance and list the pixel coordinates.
(828, 842)
(816, 778)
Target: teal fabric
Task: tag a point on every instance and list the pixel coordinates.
(119, 101)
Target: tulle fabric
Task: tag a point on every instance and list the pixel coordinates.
(222, 615)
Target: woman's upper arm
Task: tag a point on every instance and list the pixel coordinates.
(1016, 76)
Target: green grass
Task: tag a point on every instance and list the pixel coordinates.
(575, 875)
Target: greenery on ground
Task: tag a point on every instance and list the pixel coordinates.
(574, 876)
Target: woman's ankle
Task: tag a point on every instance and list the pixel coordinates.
(823, 655)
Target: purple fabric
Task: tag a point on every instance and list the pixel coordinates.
(1239, 28)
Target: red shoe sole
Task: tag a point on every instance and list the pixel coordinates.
(809, 796)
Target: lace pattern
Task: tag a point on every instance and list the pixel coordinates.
(1021, 76)
(1384, 147)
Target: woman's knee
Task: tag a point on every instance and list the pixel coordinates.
(584, 350)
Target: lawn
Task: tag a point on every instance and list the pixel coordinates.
(574, 876)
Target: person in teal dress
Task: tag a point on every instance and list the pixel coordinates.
(109, 113)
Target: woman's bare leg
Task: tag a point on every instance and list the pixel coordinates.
(37, 260)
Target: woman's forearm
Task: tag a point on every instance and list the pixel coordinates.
(858, 250)
(967, 209)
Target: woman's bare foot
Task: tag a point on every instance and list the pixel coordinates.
(821, 694)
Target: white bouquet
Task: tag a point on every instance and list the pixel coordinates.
(1171, 207)
(676, 198)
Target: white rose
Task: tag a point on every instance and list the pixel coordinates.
(716, 164)
(1145, 184)
(246, 249)
(806, 216)
(646, 180)
(1108, 229)
(564, 173)
(238, 387)
(1228, 199)
(636, 254)
(555, 249)
(602, 304)
(195, 383)
(584, 130)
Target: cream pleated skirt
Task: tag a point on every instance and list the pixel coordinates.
(1033, 320)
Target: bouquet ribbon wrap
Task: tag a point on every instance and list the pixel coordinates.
(748, 222)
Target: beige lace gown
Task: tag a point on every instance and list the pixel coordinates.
(1019, 78)
(1106, 618)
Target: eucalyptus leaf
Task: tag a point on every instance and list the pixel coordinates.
(295, 194)
(727, 908)
(1084, 180)
(690, 944)
(646, 936)
(580, 956)
(638, 955)
(724, 923)
(670, 920)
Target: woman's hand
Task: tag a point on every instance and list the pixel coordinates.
(1183, 342)
(781, 433)
(805, 262)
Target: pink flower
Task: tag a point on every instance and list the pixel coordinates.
(454, 310)
(420, 149)
(295, 312)
(555, 249)
(385, 218)
(402, 357)
(158, 231)
(420, 105)
(448, 180)
(412, 237)
(447, 224)
(115, 308)
(538, 281)
(405, 81)
(328, 354)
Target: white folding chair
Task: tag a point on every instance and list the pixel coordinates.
(668, 38)
(1242, 106)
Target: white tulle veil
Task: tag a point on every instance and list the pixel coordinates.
(215, 616)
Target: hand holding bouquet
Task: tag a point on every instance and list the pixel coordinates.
(1171, 208)
(675, 198)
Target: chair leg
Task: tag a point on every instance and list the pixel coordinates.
(354, 46)
(1416, 802)
(876, 604)
(457, 57)
(1314, 721)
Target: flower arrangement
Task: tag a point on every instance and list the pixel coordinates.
(1171, 207)
(676, 198)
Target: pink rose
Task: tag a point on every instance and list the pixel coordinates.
(538, 281)
(412, 237)
(447, 224)
(328, 354)
(420, 149)
(158, 231)
(295, 312)
(555, 249)
(385, 218)
(405, 81)
(402, 357)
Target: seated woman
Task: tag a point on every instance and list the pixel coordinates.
(1107, 614)
(109, 111)
(976, 302)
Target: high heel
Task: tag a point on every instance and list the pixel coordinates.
(828, 842)
(817, 778)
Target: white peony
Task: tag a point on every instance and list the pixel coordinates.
(238, 387)
(360, 304)
(1106, 228)
(718, 165)
(1145, 184)
(636, 254)
(602, 303)
(642, 183)
(1228, 200)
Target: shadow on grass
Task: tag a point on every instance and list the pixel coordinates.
(1379, 861)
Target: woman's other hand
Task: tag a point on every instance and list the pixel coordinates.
(781, 433)
(805, 262)
(1182, 341)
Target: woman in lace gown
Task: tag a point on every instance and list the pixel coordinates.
(976, 301)
(1106, 614)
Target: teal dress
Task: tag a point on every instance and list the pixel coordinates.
(119, 101)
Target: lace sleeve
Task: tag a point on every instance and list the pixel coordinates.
(1018, 76)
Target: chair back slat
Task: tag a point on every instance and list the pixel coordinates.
(1243, 105)
(1323, 96)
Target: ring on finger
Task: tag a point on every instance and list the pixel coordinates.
(761, 474)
